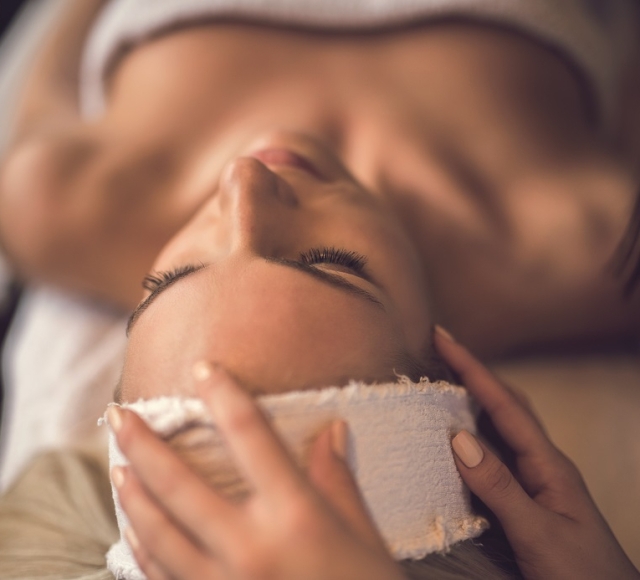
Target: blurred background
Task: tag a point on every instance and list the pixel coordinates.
(8, 9)
(8, 296)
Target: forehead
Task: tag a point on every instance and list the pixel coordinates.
(274, 328)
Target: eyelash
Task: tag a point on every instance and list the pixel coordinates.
(327, 255)
(331, 255)
(157, 280)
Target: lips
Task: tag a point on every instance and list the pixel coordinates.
(279, 156)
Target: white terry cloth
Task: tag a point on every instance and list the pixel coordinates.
(595, 35)
(399, 451)
(62, 363)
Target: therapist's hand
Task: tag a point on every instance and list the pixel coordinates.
(293, 526)
(550, 520)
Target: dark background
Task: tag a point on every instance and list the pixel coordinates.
(8, 9)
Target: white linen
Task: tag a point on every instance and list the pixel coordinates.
(62, 364)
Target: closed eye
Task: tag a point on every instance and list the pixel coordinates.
(330, 255)
(158, 282)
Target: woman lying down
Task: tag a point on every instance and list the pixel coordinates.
(271, 260)
(216, 493)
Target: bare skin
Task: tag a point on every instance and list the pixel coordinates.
(266, 290)
(479, 138)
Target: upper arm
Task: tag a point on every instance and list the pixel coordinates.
(36, 181)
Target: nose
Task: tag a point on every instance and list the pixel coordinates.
(260, 205)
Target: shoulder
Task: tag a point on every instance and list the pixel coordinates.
(37, 179)
(66, 195)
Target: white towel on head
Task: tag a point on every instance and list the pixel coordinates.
(399, 452)
(596, 36)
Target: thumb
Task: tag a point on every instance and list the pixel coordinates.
(490, 479)
(330, 475)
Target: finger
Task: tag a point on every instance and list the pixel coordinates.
(513, 420)
(490, 479)
(179, 491)
(526, 402)
(329, 473)
(145, 562)
(154, 534)
(258, 451)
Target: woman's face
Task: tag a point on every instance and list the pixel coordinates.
(290, 276)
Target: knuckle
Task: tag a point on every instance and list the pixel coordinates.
(242, 419)
(499, 480)
(255, 562)
(297, 517)
(128, 435)
(572, 486)
(124, 439)
(168, 483)
(301, 522)
(569, 474)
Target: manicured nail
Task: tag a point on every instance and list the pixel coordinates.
(467, 448)
(117, 476)
(115, 418)
(202, 370)
(131, 537)
(444, 333)
(339, 439)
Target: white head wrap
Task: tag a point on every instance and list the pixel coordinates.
(398, 450)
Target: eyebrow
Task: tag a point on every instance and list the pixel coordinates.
(327, 278)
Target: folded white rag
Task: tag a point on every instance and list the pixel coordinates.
(399, 451)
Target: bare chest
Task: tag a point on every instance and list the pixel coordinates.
(441, 86)
(449, 117)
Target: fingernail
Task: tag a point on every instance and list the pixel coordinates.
(339, 439)
(202, 370)
(117, 476)
(467, 448)
(131, 537)
(444, 333)
(115, 418)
